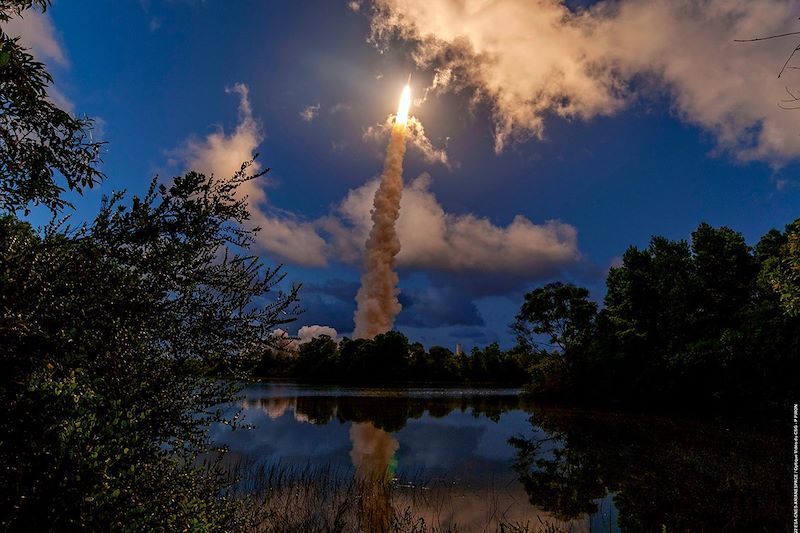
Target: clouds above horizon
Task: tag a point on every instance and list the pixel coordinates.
(433, 239)
(37, 34)
(532, 58)
(415, 138)
(222, 154)
(430, 237)
(309, 113)
(433, 306)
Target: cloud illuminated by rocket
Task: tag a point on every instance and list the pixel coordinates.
(528, 59)
(430, 237)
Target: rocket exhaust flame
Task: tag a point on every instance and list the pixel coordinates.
(376, 302)
(405, 104)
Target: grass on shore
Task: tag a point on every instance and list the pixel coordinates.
(324, 499)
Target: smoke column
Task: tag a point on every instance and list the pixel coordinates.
(376, 302)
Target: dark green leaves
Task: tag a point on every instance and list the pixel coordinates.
(562, 313)
(43, 149)
(105, 332)
(781, 266)
(686, 325)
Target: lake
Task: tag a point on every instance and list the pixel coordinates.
(481, 458)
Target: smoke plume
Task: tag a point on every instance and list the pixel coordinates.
(376, 302)
(534, 59)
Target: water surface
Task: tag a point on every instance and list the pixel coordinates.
(485, 457)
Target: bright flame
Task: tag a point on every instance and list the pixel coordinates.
(405, 104)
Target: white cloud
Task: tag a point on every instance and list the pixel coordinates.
(287, 343)
(36, 33)
(222, 154)
(430, 237)
(416, 139)
(354, 5)
(309, 113)
(340, 107)
(282, 341)
(308, 333)
(531, 58)
(63, 102)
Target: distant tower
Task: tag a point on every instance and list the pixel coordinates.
(459, 351)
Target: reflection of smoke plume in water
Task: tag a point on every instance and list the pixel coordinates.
(377, 303)
(372, 451)
(372, 454)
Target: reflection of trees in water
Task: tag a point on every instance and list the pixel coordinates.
(687, 476)
(390, 413)
(373, 446)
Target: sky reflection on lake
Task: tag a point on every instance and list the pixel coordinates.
(485, 456)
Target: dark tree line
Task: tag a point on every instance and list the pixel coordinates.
(708, 322)
(391, 358)
(104, 328)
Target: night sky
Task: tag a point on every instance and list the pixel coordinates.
(556, 135)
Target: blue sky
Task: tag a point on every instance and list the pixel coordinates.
(675, 146)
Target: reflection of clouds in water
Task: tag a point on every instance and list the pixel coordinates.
(276, 407)
(468, 451)
(482, 509)
(294, 425)
(300, 426)
(448, 442)
(430, 444)
(280, 434)
(493, 443)
(273, 407)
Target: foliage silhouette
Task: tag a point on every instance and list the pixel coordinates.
(44, 150)
(706, 324)
(390, 359)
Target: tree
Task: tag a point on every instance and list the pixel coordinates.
(562, 313)
(781, 267)
(647, 298)
(391, 350)
(441, 363)
(104, 334)
(723, 276)
(38, 141)
(317, 358)
(106, 329)
(685, 325)
(555, 323)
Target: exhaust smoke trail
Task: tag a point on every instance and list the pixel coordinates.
(376, 302)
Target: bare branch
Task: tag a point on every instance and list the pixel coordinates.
(796, 49)
(766, 38)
